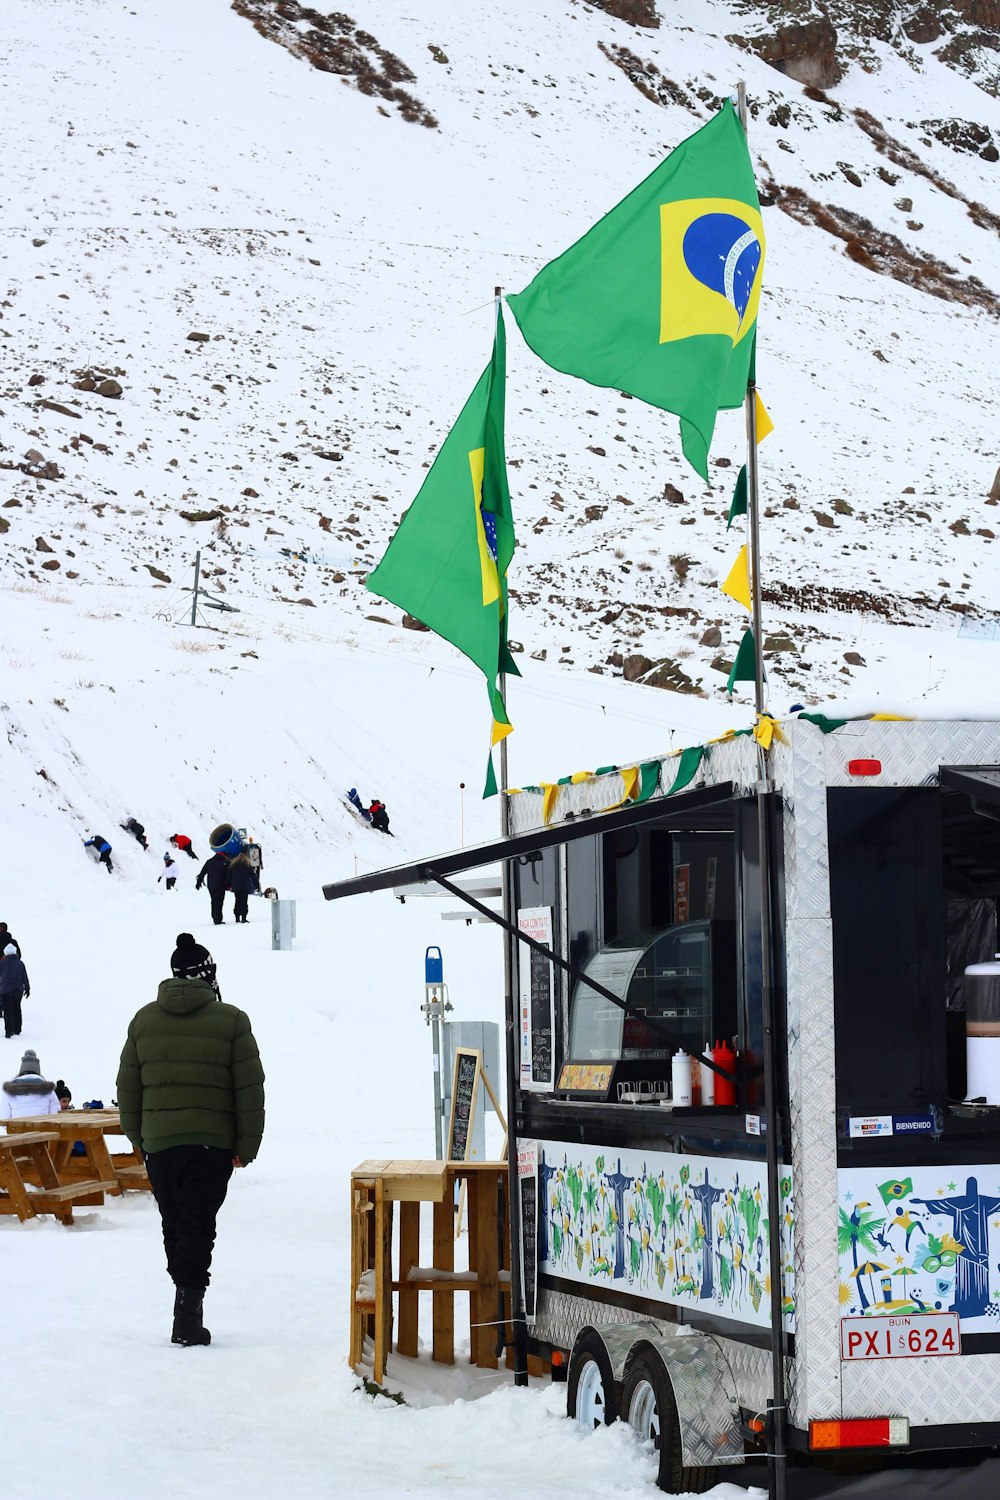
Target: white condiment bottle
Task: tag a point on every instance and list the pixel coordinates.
(707, 1080)
(680, 1079)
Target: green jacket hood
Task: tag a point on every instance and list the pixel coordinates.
(181, 996)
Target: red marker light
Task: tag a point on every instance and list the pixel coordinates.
(864, 768)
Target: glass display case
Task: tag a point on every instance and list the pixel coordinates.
(679, 983)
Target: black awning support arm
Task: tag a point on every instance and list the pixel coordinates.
(568, 968)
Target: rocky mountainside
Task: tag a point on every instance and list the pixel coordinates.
(246, 287)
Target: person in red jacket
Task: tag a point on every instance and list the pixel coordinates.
(181, 841)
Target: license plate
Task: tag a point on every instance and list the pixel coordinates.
(900, 1336)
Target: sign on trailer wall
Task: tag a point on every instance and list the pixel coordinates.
(536, 995)
(527, 1185)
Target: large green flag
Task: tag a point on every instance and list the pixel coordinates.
(660, 297)
(447, 563)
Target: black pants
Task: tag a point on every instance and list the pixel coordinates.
(189, 851)
(241, 902)
(217, 898)
(10, 1008)
(189, 1184)
(105, 860)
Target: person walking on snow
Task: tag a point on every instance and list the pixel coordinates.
(181, 841)
(137, 831)
(169, 872)
(214, 872)
(99, 842)
(29, 1093)
(191, 1097)
(8, 937)
(14, 988)
(240, 880)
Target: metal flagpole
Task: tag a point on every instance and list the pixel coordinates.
(776, 1461)
(194, 597)
(518, 1323)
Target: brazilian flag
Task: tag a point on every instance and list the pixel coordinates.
(891, 1192)
(447, 563)
(659, 298)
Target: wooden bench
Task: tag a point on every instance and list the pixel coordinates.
(25, 1157)
(375, 1187)
(118, 1170)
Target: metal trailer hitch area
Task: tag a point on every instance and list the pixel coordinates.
(677, 1392)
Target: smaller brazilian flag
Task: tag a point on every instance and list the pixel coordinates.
(891, 1192)
(447, 563)
(660, 297)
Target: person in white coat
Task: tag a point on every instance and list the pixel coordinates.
(29, 1093)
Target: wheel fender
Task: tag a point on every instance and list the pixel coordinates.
(618, 1339)
(704, 1389)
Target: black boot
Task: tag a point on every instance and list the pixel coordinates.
(188, 1327)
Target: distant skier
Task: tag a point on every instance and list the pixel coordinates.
(357, 803)
(138, 832)
(181, 841)
(14, 988)
(240, 880)
(169, 872)
(379, 817)
(214, 872)
(99, 842)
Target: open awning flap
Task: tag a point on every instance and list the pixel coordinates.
(981, 783)
(585, 826)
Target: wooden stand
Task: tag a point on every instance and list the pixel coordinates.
(375, 1187)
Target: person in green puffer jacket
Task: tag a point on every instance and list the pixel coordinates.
(191, 1098)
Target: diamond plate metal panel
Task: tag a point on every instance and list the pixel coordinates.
(959, 1388)
(910, 752)
(815, 1377)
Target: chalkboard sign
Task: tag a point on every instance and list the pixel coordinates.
(464, 1098)
(536, 988)
(527, 1182)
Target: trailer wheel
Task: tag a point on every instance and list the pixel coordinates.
(649, 1407)
(591, 1394)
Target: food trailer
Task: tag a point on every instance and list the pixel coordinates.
(645, 1150)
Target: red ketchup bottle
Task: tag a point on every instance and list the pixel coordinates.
(725, 1057)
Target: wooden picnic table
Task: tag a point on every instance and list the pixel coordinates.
(26, 1159)
(119, 1170)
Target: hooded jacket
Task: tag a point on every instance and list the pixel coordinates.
(29, 1094)
(190, 1074)
(13, 976)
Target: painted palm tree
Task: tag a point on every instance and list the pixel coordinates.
(857, 1228)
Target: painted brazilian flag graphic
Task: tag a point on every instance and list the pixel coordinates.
(447, 563)
(660, 297)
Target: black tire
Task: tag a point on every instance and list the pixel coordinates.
(591, 1376)
(646, 1380)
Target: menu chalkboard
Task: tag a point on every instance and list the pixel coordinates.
(541, 1018)
(464, 1090)
(527, 1181)
(536, 991)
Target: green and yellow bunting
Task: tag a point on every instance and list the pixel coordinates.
(738, 506)
(744, 668)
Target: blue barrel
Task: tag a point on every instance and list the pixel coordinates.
(225, 839)
(433, 966)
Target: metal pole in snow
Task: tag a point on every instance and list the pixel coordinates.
(776, 1461)
(518, 1323)
(194, 597)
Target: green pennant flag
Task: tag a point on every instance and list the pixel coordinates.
(659, 299)
(739, 503)
(745, 666)
(490, 789)
(447, 563)
(687, 767)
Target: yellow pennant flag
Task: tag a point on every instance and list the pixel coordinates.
(764, 423)
(550, 792)
(737, 585)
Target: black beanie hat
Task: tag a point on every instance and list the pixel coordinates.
(188, 958)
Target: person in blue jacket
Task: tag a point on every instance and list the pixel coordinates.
(100, 843)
